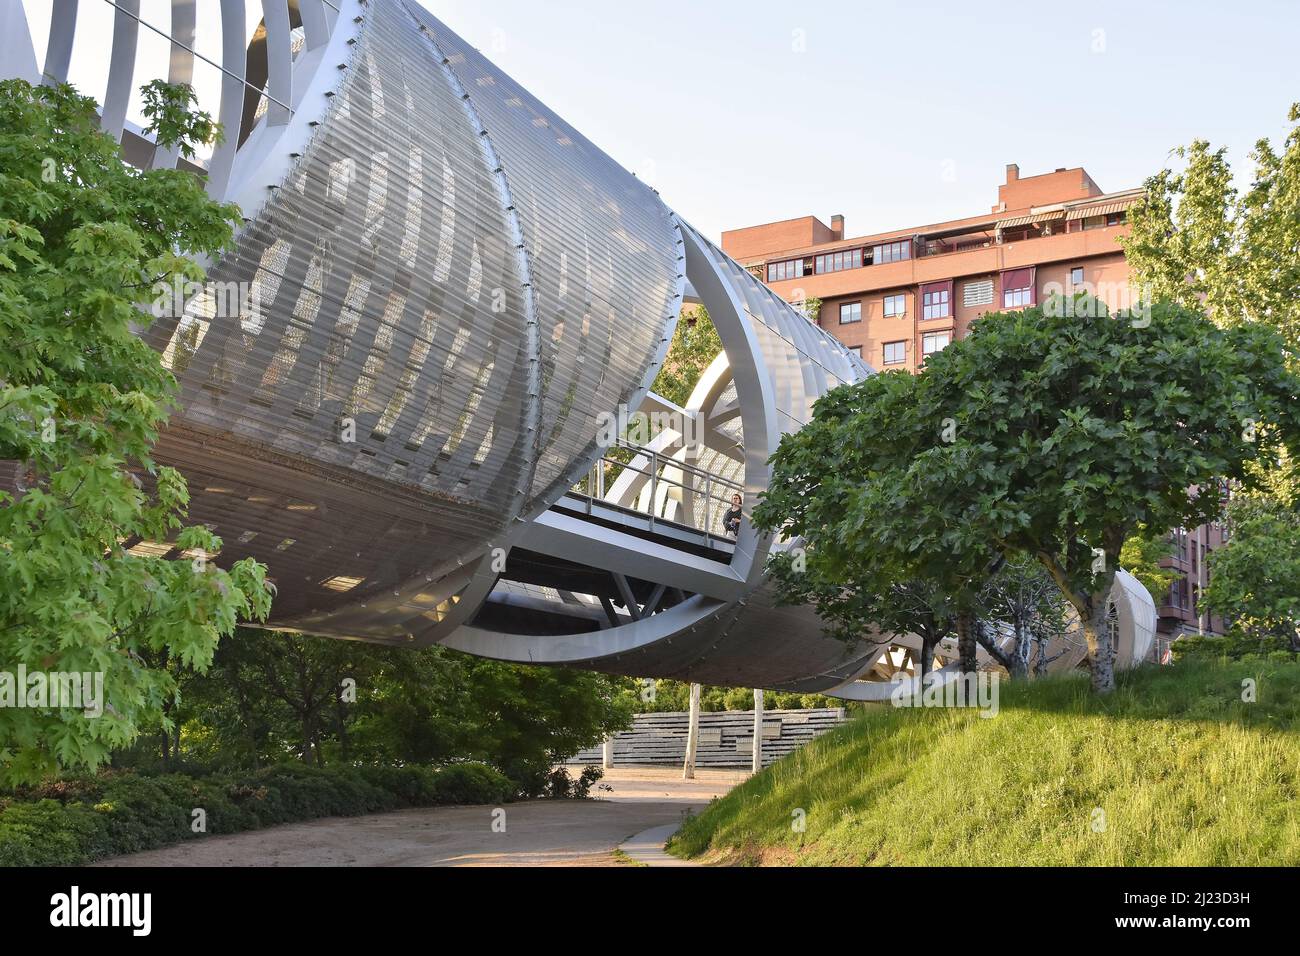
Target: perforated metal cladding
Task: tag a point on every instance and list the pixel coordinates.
(802, 360)
(382, 288)
(604, 258)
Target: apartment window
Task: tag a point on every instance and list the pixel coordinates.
(891, 252)
(976, 293)
(933, 342)
(936, 300)
(895, 305)
(837, 261)
(895, 353)
(1179, 550)
(1015, 298)
(1018, 288)
(1102, 221)
(850, 312)
(856, 350)
(786, 269)
(1076, 277)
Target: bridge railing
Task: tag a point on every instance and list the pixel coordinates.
(663, 487)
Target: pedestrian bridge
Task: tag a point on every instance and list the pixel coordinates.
(442, 293)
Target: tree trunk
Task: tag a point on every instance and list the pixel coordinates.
(1040, 660)
(966, 643)
(1020, 653)
(1093, 610)
(1101, 650)
(925, 663)
(310, 753)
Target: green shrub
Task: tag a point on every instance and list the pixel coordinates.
(414, 786)
(48, 833)
(471, 783)
(560, 785)
(74, 821)
(143, 813)
(1236, 645)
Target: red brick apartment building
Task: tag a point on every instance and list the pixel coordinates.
(895, 297)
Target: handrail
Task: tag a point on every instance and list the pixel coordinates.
(656, 466)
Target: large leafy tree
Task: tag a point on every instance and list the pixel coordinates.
(83, 240)
(1073, 430)
(1052, 432)
(1196, 240)
(875, 550)
(694, 346)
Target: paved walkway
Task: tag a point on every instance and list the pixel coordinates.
(647, 847)
(537, 832)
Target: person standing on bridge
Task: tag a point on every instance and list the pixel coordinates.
(731, 520)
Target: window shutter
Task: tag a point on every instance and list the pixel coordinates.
(976, 293)
(1017, 279)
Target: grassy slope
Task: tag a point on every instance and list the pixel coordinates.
(1186, 773)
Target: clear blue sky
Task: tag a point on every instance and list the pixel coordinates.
(895, 113)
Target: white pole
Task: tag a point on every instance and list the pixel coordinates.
(1202, 541)
(692, 734)
(607, 753)
(758, 730)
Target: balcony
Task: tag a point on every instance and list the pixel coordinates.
(953, 258)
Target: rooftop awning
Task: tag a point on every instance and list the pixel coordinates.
(1105, 209)
(1030, 219)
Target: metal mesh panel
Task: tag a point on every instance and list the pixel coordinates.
(369, 277)
(603, 257)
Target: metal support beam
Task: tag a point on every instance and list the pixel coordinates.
(652, 603)
(625, 592)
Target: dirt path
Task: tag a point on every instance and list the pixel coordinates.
(537, 832)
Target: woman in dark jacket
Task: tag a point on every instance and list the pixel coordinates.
(731, 520)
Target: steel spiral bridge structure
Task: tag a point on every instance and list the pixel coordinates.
(444, 294)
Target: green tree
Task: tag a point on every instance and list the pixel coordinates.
(273, 696)
(694, 346)
(525, 718)
(1255, 580)
(1141, 557)
(82, 240)
(1196, 238)
(1071, 431)
(1053, 432)
(875, 548)
(1197, 241)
